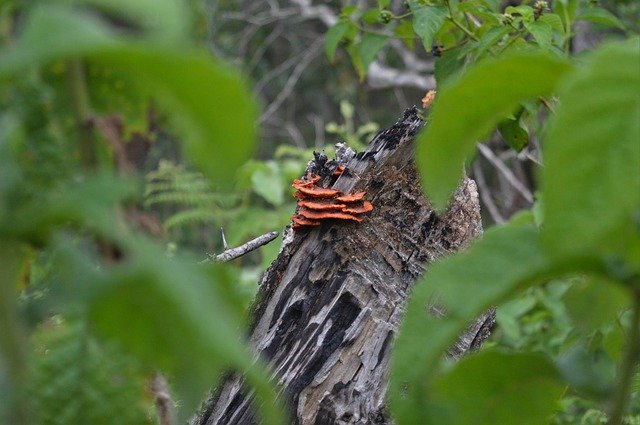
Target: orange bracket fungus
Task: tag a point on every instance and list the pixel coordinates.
(318, 203)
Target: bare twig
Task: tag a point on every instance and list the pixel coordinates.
(485, 194)
(311, 53)
(233, 253)
(506, 172)
(164, 404)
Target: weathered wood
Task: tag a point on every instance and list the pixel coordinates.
(329, 306)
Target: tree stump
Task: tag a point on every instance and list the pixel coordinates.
(330, 304)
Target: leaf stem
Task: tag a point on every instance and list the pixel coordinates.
(629, 363)
(458, 24)
(82, 111)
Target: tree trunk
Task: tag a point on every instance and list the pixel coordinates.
(330, 304)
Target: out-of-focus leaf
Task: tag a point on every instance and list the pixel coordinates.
(594, 303)
(498, 388)
(208, 100)
(333, 38)
(588, 371)
(174, 315)
(371, 16)
(591, 179)
(13, 367)
(90, 203)
(427, 21)
(469, 108)
(516, 260)
(600, 16)
(448, 67)
(77, 380)
(161, 20)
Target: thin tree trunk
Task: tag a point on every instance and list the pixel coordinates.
(330, 305)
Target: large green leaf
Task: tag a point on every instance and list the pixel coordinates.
(591, 178)
(498, 388)
(593, 303)
(174, 315)
(469, 108)
(504, 260)
(207, 100)
(427, 21)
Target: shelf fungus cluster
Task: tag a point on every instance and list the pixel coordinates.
(318, 203)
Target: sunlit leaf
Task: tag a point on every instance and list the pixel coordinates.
(591, 179)
(468, 109)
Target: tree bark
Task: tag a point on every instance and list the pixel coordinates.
(330, 305)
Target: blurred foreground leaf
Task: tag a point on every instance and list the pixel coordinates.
(467, 109)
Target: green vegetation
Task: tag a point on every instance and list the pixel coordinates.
(92, 305)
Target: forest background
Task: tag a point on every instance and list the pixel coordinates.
(130, 132)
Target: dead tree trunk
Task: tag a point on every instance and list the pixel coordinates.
(330, 304)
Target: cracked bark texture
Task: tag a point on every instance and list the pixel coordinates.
(329, 306)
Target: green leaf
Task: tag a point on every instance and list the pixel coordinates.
(404, 31)
(161, 20)
(371, 16)
(371, 44)
(498, 388)
(174, 315)
(468, 109)
(523, 10)
(333, 38)
(600, 16)
(267, 182)
(427, 21)
(505, 260)
(77, 380)
(448, 67)
(208, 100)
(553, 21)
(593, 303)
(541, 32)
(591, 178)
(513, 133)
(490, 38)
(586, 370)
